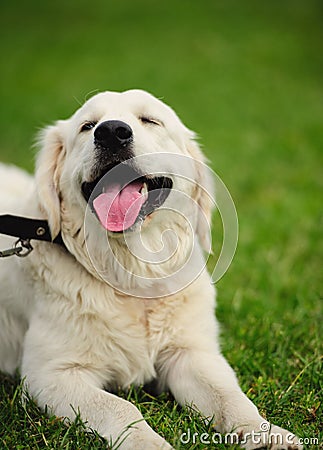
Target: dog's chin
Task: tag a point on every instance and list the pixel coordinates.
(123, 198)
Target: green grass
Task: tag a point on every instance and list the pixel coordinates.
(247, 76)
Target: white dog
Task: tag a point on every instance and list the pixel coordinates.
(126, 299)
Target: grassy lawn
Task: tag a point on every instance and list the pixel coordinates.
(248, 77)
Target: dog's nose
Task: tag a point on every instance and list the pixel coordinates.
(113, 135)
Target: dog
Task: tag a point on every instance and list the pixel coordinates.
(126, 298)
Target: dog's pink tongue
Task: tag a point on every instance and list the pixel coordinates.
(119, 208)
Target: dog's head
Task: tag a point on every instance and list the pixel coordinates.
(127, 163)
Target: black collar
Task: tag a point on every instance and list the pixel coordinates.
(26, 229)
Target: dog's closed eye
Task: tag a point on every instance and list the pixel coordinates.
(150, 120)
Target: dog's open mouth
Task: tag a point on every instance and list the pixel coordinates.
(121, 197)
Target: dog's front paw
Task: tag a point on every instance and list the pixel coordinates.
(267, 436)
(139, 440)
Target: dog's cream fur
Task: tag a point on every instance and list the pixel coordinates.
(75, 337)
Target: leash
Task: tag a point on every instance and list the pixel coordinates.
(25, 229)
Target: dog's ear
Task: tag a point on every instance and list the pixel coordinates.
(204, 192)
(48, 170)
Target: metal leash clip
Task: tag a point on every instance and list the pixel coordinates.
(21, 248)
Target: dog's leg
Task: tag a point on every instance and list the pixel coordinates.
(68, 392)
(206, 382)
(12, 332)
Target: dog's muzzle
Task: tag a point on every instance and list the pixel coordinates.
(118, 192)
